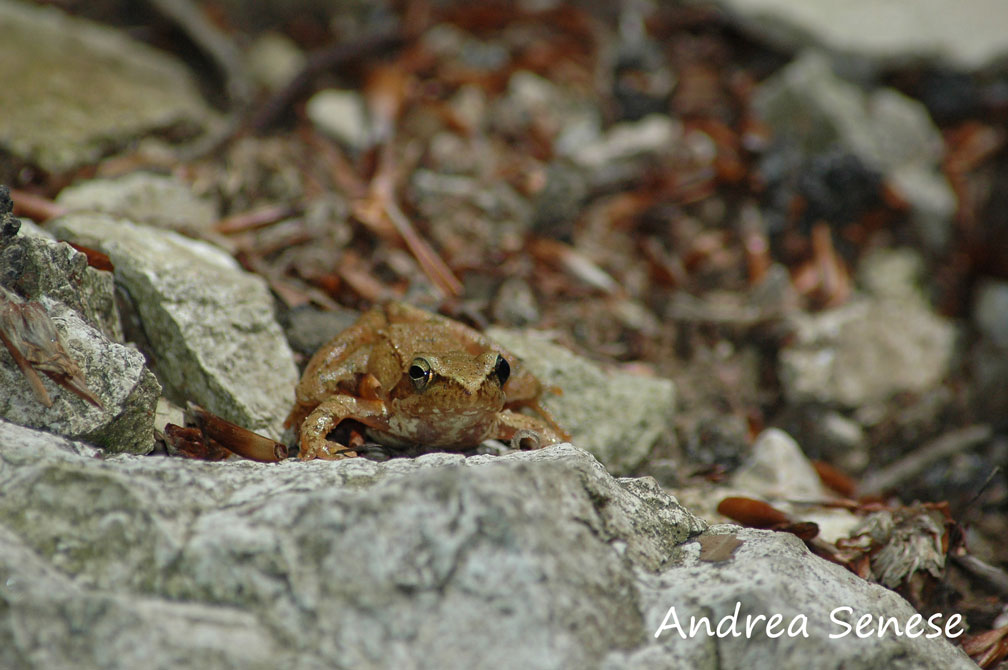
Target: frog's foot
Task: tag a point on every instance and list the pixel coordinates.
(526, 440)
(526, 432)
(327, 416)
(326, 450)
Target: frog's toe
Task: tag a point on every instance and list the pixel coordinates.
(526, 440)
(326, 451)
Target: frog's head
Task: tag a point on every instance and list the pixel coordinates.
(453, 385)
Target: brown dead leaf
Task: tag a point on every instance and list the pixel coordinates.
(834, 479)
(234, 438)
(750, 512)
(988, 648)
(718, 548)
(191, 443)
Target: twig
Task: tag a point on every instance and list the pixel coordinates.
(233, 437)
(214, 43)
(254, 220)
(35, 207)
(913, 464)
(992, 575)
(318, 62)
(429, 261)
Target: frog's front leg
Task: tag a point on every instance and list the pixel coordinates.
(329, 413)
(525, 432)
(524, 390)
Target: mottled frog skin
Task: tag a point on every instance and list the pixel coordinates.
(413, 378)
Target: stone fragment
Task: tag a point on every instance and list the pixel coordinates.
(210, 325)
(343, 116)
(34, 263)
(991, 311)
(143, 197)
(618, 417)
(810, 108)
(883, 33)
(114, 373)
(777, 468)
(866, 351)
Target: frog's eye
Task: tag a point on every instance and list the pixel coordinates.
(502, 369)
(419, 373)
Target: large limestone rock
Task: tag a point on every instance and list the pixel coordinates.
(533, 560)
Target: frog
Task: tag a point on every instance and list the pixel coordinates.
(415, 378)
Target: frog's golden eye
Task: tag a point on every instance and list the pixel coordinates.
(502, 369)
(419, 373)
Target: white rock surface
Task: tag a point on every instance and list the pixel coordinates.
(866, 351)
(777, 468)
(533, 560)
(963, 35)
(343, 116)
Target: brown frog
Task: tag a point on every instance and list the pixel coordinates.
(415, 378)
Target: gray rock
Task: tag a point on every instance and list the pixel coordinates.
(74, 90)
(656, 133)
(274, 59)
(210, 325)
(618, 417)
(892, 274)
(116, 374)
(836, 438)
(777, 468)
(343, 116)
(991, 311)
(770, 573)
(81, 303)
(866, 351)
(887, 33)
(534, 560)
(34, 263)
(807, 105)
(143, 197)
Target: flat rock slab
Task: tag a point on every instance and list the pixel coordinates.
(963, 35)
(617, 417)
(210, 324)
(534, 560)
(73, 90)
